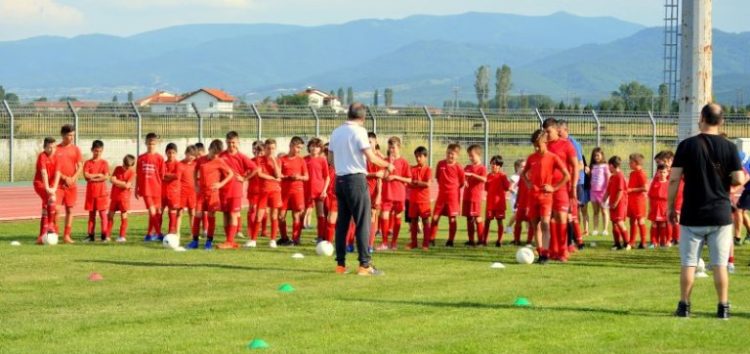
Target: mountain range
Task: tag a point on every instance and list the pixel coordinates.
(421, 57)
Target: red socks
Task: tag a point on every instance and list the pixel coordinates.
(396, 221)
(384, 228)
(281, 225)
(330, 231)
(413, 232)
(196, 231)
(211, 227)
(251, 214)
(517, 232)
(553, 230)
(577, 233)
(470, 224)
(427, 232)
(452, 227)
(231, 232)
(172, 221)
(43, 224)
(322, 227)
(123, 227)
(92, 223)
(296, 230)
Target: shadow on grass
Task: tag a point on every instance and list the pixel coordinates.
(203, 265)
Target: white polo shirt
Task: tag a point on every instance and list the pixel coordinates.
(347, 143)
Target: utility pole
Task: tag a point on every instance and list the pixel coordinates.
(695, 65)
(455, 99)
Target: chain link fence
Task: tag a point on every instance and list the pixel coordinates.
(122, 127)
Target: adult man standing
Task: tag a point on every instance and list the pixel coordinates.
(350, 147)
(69, 163)
(574, 222)
(710, 165)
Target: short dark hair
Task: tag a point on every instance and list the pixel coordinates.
(394, 140)
(97, 144)
(270, 141)
(661, 167)
(473, 147)
(551, 121)
(518, 163)
(497, 160)
(191, 150)
(712, 114)
(151, 136)
(615, 161)
(372, 135)
(48, 141)
(171, 146)
(128, 160)
(536, 135)
(258, 144)
(636, 157)
(67, 128)
(232, 135)
(216, 146)
(199, 146)
(420, 151)
(357, 110)
(296, 141)
(454, 147)
(314, 142)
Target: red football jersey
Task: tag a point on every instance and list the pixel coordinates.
(210, 172)
(522, 198)
(254, 184)
(637, 179)
(331, 192)
(617, 183)
(293, 166)
(396, 190)
(371, 181)
(171, 189)
(450, 178)
(187, 177)
(421, 174)
(240, 165)
(475, 187)
(542, 169)
(658, 189)
(125, 175)
(497, 186)
(565, 150)
(47, 163)
(149, 175)
(265, 165)
(96, 189)
(317, 169)
(67, 157)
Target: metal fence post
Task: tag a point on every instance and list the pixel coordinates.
(200, 123)
(486, 136)
(11, 140)
(598, 128)
(138, 128)
(75, 121)
(374, 120)
(539, 116)
(430, 136)
(258, 120)
(317, 121)
(653, 143)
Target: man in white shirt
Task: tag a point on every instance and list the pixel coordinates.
(351, 150)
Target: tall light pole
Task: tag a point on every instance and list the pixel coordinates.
(695, 65)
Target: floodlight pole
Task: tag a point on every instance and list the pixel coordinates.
(695, 65)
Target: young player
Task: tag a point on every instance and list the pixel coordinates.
(149, 177)
(188, 198)
(231, 193)
(332, 205)
(294, 175)
(513, 195)
(657, 195)
(375, 176)
(599, 178)
(46, 181)
(450, 177)
(419, 198)
(69, 162)
(96, 173)
(637, 197)
(253, 195)
(616, 194)
(667, 157)
(497, 187)
(172, 188)
(269, 171)
(315, 193)
(521, 212)
(201, 152)
(123, 179)
(539, 176)
(394, 194)
(471, 208)
(211, 174)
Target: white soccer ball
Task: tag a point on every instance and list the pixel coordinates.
(701, 268)
(525, 256)
(171, 241)
(324, 248)
(50, 239)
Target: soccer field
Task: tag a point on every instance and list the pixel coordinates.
(154, 300)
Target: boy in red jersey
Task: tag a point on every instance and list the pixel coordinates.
(450, 178)
(231, 194)
(657, 195)
(149, 176)
(375, 176)
(332, 205)
(476, 177)
(188, 198)
(201, 152)
(667, 157)
(46, 181)
(497, 187)
(637, 198)
(96, 173)
(394, 194)
(253, 195)
(539, 176)
(294, 175)
(122, 180)
(618, 203)
(69, 162)
(317, 168)
(211, 174)
(269, 171)
(419, 198)
(171, 191)
(521, 207)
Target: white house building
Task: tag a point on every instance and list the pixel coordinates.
(317, 98)
(206, 100)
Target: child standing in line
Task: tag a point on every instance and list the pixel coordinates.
(96, 173)
(497, 187)
(46, 181)
(188, 199)
(254, 186)
(450, 177)
(149, 176)
(657, 195)
(637, 189)
(419, 198)
(394, 193)
(122, 180)
(600, 175)
(616, 194)
(476, 177)
(315, 187)
(293, 177)
(211, 174)
(171, 193)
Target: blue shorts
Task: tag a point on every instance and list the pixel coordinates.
(584, 195)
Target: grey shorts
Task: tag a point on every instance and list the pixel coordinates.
(717, 238)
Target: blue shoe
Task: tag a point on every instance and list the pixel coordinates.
(192, 245)
(370, 250)
(147, 238)
(350, 248)
(209, 245)
(159, 238)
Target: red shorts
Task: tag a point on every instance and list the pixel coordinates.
(471, 208)
(522, 214)
(171, 203)
(637, 207)
(446, 205)
(393, 206)
(419, 210)
(122, 205)
(293, 200)
(561, 200)
(42, 193)
(269, 200)
(66, 195)
(620, 212)
(252, 200)
(331, 204)
(152, 201)
(496, 209)
(373, 201)
(188, 199)
(208, 202)
(540, 205)
(658, 211)
(96, 203)
(231, 205)
(573, 209)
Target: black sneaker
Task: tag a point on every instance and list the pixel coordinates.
(722, 311)
(641, 246)
(683, 309)
(738, 241)
(89, 238)
(449, 244)
(542, 260)
(284, 242)
(581, 246)
(498, 244)
(470, 244)
(432, 243)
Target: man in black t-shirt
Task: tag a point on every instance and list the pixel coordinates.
(710, 165)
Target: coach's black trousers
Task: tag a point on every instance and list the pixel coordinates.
(354, 205)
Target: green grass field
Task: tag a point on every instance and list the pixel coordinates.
(446, 300)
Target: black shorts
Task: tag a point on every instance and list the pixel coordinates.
(744, 201)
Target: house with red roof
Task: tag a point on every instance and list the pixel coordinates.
(206, 100)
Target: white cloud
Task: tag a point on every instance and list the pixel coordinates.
(38, 12)
(183, 4)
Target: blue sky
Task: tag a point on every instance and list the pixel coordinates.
(25, 18)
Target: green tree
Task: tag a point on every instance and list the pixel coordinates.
(67, 98)
(12, 97)
(292, 100)
(634, 96)
(375, 98)
(663, 98)
(340, 94)
(41, 99)
(2, 93)
(130, 96)
(524, 101)
(349, 95)
(561, 105)
(502, 86)
(332, 93)
(114, 99)
(388, 95)
(482, 85)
